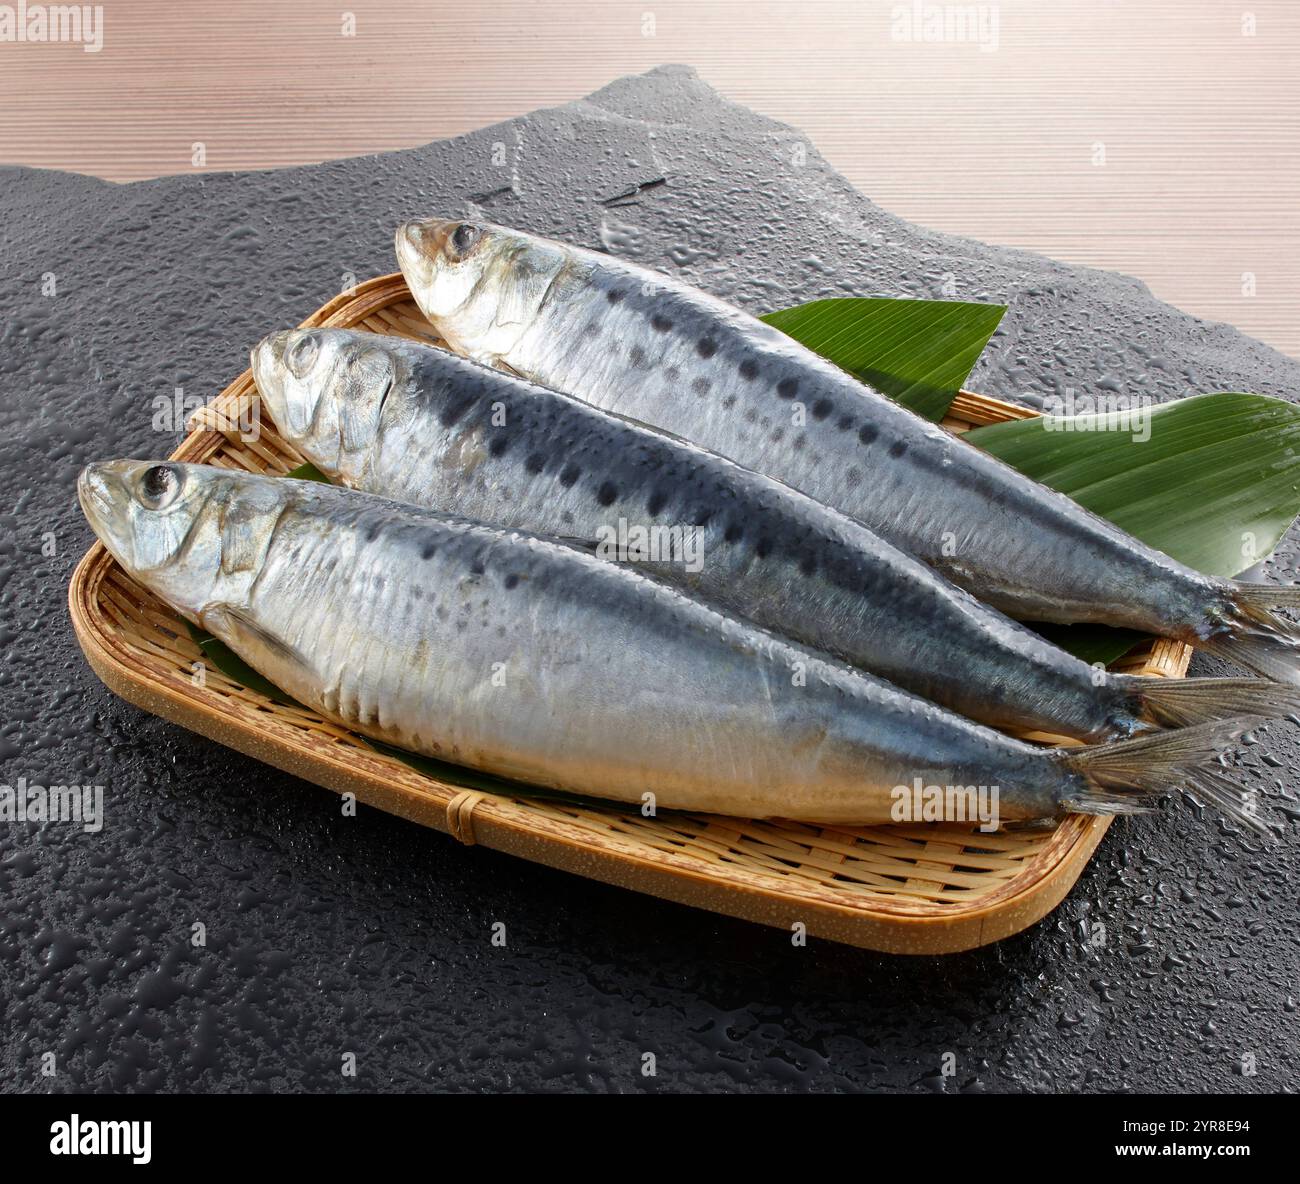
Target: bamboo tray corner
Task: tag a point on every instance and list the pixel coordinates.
(918, 889)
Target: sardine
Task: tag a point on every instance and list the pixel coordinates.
(646, 346)
(520, 656)
(421, 425)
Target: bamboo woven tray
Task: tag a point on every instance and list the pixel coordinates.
(923, 889)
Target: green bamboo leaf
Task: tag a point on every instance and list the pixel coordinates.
(1091, 643)
(235, 668)
(919, 352)
(308, 472)
(1213, 481)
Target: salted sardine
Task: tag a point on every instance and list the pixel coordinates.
(646, 346)
(521, 656)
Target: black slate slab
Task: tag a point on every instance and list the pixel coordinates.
(1175, 957)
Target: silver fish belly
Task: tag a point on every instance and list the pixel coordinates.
(520, 656)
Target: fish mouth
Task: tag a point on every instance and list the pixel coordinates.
(419, 247)
(416, 240)
(94, 492)
(265, 360)
(263, 356)
(103, 491)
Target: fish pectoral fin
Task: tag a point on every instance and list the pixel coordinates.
(249, 639)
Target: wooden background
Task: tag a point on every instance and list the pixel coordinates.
(1157, 138)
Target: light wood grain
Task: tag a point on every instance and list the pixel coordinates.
(1198, 115)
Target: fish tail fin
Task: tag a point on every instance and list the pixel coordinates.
(1258, 638)
(1122, 778)
(1182, 702)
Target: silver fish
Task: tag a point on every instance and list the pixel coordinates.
(422, 425)
(646, 346)
(523, 657)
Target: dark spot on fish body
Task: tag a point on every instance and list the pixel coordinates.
(706, 347)
(607, 492)
(798, 442)
(637, 354)
(567, 517)
(778, 435)
(897, 448)
(729, 402)
(867, 434)
(763, 548)
(845, 422)
(701, 386)
(476, 567)
(787, 388)
(751, 416)
(672, 374)
(807, 563)
(660, 323)
(613, 295)
(749, 369)
(500, 442)
(656, 502)
(822, 408)
(535, 463)
(853, 477)
(735, 532)
(569, 474)
(452, 412)
(372, 531)
(511, 581)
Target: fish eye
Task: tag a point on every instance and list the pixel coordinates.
(301, 355)
(159, 486)
(465, 238)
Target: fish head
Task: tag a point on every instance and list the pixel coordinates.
(480, 285)
(193, 534)
(325, 390)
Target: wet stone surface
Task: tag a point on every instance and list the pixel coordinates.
(370, 935)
